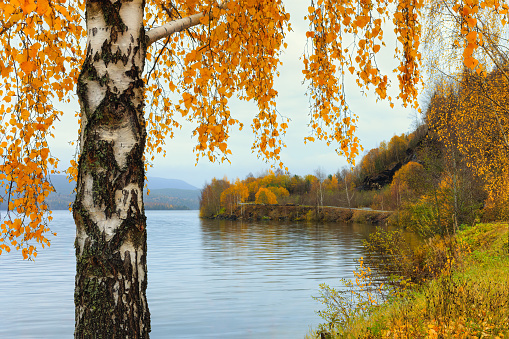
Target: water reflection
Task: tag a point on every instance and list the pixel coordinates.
(240, 239)
(268, 271)
(206, 278)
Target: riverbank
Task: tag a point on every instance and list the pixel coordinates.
(469, 299)
(304, 213)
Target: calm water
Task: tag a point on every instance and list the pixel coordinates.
(206, 278)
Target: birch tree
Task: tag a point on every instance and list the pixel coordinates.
(136, 66)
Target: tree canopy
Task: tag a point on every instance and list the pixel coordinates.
(201, 53)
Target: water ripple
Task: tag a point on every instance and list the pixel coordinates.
(206, 278)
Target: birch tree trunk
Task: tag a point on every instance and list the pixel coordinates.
(111, 268)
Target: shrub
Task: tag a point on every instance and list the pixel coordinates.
(355, 299)
(390, 252)
(265, 196)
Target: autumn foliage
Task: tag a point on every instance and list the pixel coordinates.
(477, 104)
(234, 195)
(222, 61)
(268, 188)
(265, 196)
(432, 190)
(343, 188)
(232, 50)
(39, 65)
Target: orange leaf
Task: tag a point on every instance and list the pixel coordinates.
(28, 6)
(472, 36)
(28, 67)
(42, 7)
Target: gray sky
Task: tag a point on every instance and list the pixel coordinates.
(377, 122)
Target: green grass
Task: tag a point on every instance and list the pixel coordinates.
(469, 299)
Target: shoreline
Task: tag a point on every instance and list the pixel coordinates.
(290, 212)
(468, 296)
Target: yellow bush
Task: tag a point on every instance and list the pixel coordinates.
(265, 196)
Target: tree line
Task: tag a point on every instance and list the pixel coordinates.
(435, 186)
(341, 188)
(457, 173)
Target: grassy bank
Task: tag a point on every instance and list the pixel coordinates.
(468, 298)
(303, 213)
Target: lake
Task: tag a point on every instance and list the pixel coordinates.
(206, 278)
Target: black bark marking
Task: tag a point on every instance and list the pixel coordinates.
(111, 13)
(126, 195)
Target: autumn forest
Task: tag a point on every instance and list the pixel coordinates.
(425, 177)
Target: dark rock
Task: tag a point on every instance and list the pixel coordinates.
(381, 179)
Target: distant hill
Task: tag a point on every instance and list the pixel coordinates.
(162, 183)
(62, 185)
(165, 194)
(172, 198)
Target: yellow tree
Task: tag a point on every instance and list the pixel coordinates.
(408, 182)
(265, 196)
(234, 195)
(470, 107)
(279, 192)
(470, 116)
(397, 147)
(128, 60)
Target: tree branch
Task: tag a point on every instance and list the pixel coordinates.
(173, 27)
(176, 26)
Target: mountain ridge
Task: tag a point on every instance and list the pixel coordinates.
(165, 194)
(63, 186)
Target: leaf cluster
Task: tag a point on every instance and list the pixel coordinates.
(39, 61)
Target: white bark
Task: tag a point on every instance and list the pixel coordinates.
(176, 26)
(173, 27)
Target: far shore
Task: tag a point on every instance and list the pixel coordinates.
(291, 212)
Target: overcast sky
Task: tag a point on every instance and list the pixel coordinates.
(378, 122)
